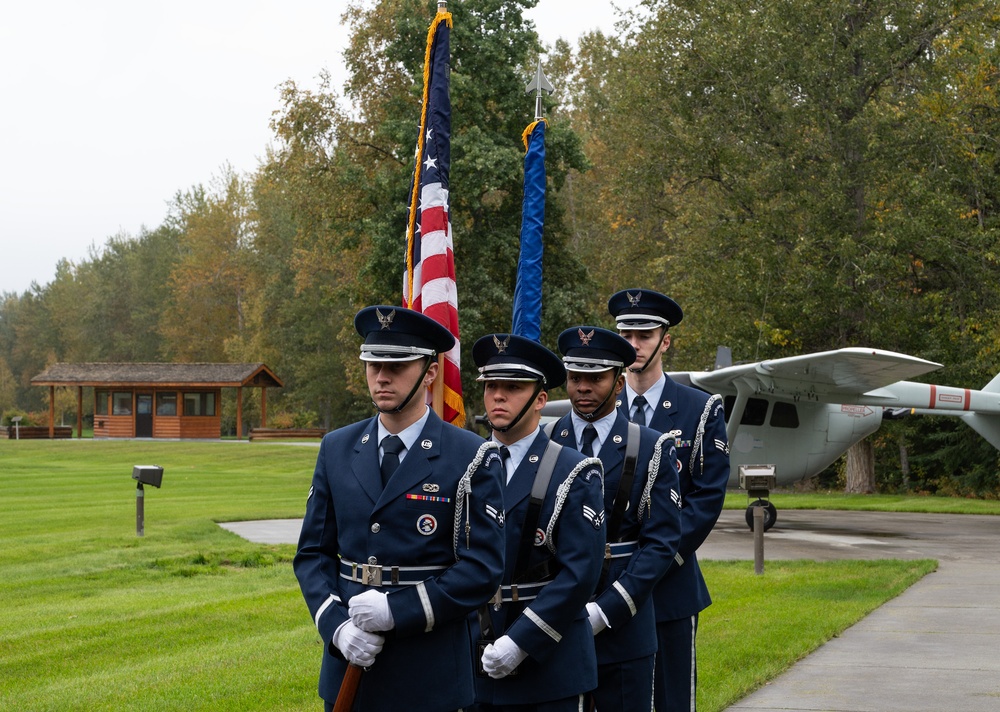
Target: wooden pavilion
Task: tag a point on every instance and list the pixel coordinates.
(158, 400)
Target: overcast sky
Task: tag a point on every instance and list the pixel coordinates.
(110, 107)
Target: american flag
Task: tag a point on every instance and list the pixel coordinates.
(429, 282)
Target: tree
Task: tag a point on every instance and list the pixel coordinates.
(776, 155)
(207, 283)
(308, 249)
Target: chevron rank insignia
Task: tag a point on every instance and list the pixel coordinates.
(593, 517)
(495, 514)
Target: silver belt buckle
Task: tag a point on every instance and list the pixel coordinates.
(371, 574)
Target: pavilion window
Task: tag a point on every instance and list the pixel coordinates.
(121, 403)
(100, 402)
(166, 403)
(199, 404)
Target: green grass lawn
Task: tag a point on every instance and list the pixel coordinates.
(192, 617)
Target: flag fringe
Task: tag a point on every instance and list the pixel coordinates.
(527, 131)
(454, 401)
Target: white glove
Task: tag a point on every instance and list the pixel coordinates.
(370, 611)
(501, 657)
(358, 646)
(596, 615)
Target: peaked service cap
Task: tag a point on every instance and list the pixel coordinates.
(400, 334)
(644, 309)
(508, 357)
(593, 349)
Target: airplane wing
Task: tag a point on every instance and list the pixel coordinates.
(826, 376)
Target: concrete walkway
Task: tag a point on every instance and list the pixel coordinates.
(935, 647)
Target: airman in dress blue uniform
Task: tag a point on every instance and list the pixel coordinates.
(402, 538)
(697, 421)
(538, 650)
(642, 506)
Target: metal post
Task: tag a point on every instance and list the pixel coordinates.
(140, 527)
(758, 540)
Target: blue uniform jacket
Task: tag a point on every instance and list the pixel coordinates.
(428, 656)
(698, 422)
(625, 596)
(553, 628)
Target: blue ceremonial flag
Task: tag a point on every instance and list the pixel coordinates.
(528, 290)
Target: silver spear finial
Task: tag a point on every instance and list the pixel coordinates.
(538, 85)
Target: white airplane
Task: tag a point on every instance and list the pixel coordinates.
(799, 414)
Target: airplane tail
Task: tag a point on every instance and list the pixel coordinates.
(987, 425)
(993, 386)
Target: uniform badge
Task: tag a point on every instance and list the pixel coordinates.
(723, 446)
(676, 434)
(676, 497)
(585, 338)
(385, 320)
(501, 345)
(564, 433)
(364, 439)
(617, 439)
(309, 496)
(431, 487)
(633, 299)
(595, 519)
(495, 514)
(427, 524)
(618, 403)
(539, 537)
(426, 444)
(667, 404)
(533, 459)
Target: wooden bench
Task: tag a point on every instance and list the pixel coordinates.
(282, 433)
(35, 432)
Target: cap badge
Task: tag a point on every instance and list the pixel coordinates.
(634, 299)
(501, 345)
(385, 319)
(585, 338)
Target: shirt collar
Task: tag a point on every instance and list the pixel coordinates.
(603, 426)
(518, 450)
(408, 435)
(652, 394)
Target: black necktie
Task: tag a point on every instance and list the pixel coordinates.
(640, 410)
(391, 446)
(505, 458)
(589, 435)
